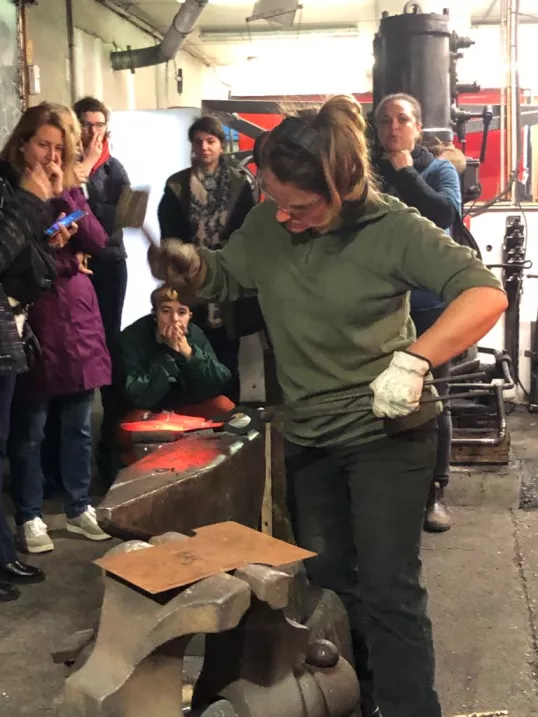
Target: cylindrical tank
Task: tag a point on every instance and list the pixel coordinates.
(412, 54)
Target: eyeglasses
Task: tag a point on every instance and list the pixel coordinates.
(296, 213)
(96, 125)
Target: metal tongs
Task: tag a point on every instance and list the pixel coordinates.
(243, 419)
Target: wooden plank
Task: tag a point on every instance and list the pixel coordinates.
(213, 549)
(500, 454)
(267, 503)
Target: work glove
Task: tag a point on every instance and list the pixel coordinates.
(397, 391)
(177, 263)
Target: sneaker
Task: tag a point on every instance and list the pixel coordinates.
(86, 524)
(33, 537)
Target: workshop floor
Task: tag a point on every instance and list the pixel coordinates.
(482, 577)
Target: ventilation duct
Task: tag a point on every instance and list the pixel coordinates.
(182, 26)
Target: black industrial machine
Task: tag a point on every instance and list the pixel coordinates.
(417, 53)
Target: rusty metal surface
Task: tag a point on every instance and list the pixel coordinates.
(255, 659)
(199, 480)
(119, 676)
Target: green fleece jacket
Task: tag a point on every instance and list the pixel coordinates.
(337, 306)
(155, 377)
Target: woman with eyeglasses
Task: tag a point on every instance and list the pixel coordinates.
(333, 262)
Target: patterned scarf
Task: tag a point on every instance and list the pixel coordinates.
(209, 204)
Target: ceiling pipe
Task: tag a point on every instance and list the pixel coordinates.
(182, 26)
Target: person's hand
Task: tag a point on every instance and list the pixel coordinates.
(83, 263)
(93, 151)
(82, 172)
(56, 176)
(35, 180)
(174, 336)
(399, 160)
(63, 235)
(397, 391)
(177, 264)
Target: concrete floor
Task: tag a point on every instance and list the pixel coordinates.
(482, 577)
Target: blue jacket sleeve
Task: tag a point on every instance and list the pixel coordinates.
(438, 198)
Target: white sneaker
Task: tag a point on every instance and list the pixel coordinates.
(86, 524)
(33, 537)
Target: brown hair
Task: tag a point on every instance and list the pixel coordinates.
(28, 125)
(448, 151)
(399, 97)
(325, 152)
(90, 104)
(163, 293)
(209, 125)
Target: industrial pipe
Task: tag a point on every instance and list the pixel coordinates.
(182, 26)
(71, 50)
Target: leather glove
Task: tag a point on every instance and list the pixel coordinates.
(397, 391)
(177, 264)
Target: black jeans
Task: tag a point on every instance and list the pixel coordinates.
(361, 509)
(423, 321)
(7, 543)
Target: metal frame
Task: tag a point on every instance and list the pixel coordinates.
(228, 110)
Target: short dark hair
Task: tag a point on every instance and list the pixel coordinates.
(207, 124)
(257, 149)
(90, 104)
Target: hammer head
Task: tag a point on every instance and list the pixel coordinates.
(132, 207)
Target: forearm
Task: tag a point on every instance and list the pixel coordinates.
(90, 237)
(145, 388)
(205, 372)
(416, 192)
(464, 322)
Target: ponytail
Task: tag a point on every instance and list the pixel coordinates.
(325, 152)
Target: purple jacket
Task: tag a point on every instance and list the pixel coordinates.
(66, 319)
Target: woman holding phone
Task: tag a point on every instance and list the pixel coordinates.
(74, 361)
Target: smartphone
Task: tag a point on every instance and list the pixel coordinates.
(66, 221)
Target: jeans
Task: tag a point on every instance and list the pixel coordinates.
(361, 509)
(423, 321)
(27, 432)
(7, 543)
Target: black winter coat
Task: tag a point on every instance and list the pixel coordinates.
(22, 216)
(105, 187)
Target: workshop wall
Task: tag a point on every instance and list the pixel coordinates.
(98, 32)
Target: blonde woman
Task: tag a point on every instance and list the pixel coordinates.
(74, 362)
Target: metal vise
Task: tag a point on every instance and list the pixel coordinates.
(258, 663)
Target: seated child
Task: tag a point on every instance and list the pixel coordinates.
(166, 363)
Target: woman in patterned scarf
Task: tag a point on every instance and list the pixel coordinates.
(204, 205)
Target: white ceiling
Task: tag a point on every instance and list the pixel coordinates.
(226, 14)
(224, 37)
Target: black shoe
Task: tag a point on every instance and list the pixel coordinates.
(369, 708)
(17, 572)
(437, 516)
(8, 592)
